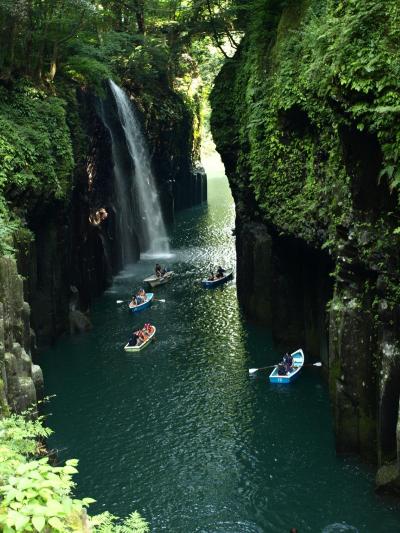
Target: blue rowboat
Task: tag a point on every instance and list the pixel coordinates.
(298, 362)
(208, 284)
(144, 305)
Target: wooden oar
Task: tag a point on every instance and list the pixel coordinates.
(127, 301)
(253, 370)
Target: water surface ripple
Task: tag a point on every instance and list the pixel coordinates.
(181, 432)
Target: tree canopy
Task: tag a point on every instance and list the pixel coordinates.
(88, 40)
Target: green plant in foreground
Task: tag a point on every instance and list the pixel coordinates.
(36, 496)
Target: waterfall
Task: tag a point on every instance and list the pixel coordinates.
(123, 194)
(142, 191)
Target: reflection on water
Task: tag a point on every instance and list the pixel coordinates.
(180, 431)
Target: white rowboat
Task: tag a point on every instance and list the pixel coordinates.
(155, 281)
(136, 348)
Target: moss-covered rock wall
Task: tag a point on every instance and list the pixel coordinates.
(306, 117)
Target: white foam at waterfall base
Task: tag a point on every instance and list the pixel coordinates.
(156, 255)
(154, 238)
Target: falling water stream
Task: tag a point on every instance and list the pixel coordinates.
(144, 191)
(123, 194)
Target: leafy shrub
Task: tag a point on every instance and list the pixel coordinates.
(36, 496)
(35, 147)
(88, 72)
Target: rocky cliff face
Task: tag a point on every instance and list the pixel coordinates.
(304, 117)
(172, 131)
(21, 382)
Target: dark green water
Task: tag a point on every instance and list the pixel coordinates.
(181, 432)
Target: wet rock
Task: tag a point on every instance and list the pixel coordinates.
(253, 247)
(37, 378)
(79, 322)
(388, 478)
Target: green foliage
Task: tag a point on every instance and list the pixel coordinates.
(36, 496)
(36, 160)
(306, 71)
(87, 72)
(148, 61)
(107, 523)
(312, 87)
(35, 146)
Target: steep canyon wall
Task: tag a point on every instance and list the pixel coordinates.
(305, 116)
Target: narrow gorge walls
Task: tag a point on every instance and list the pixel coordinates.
(306, 120)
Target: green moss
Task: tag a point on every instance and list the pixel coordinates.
(306, 74)
(4, 409)
(36, 158)
(35, 146)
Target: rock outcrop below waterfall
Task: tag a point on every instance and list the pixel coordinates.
(306, 121)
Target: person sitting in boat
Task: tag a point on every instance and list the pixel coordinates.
(140, 297)
(133, 302)
(148, 328)
(281, 369)
(134, 339)
(288, 362)
(211, 277)
(143, 336)
(158, 270)
(220, 272)
(142, 294)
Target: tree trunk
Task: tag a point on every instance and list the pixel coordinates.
(53, 63)
(11, 49)
(139, 10)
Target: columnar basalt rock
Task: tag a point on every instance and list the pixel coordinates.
(21, 380)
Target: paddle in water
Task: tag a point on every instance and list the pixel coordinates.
(253, 370)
